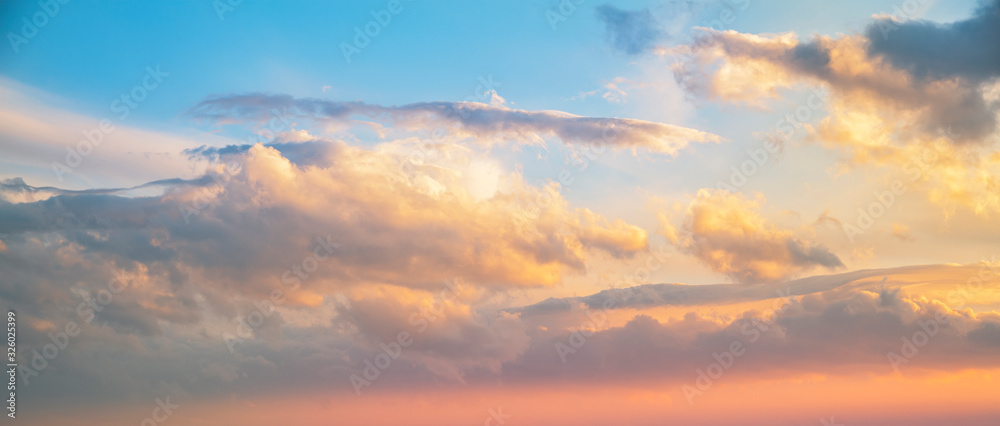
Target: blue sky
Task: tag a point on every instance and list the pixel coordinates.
(430, 51)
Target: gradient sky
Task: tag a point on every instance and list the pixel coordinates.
(571, 208)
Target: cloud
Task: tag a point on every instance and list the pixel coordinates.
(166, 325)
(15, 190)
(750, 68)
(310, 152)
(632, 32)
(929, 51)
(465, 120)
(203, 253)
(901, 231)
(833, 332)
(726, 232)
(693, 296)
(383, 204)
(908, 100)
(917, 71)
(451, 338)
(616, 91)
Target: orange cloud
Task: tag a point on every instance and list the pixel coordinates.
(517, 235)
(726, 232)
(882, 110)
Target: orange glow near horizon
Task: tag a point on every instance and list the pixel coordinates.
(917, 398)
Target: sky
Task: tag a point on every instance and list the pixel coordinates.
(507, 212)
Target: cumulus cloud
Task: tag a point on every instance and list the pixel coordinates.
(632, 32)
(750, 68)
(465, 120)
(204, 253)
(726, 232)
(401, 221)
(907, 99)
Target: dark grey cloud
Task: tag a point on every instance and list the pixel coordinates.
(309, 153)
(632, 32)
(16, 187)
(812, 255)
(965, 111)
(948, 67)
(968, 49)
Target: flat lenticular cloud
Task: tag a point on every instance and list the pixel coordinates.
(684, 295)
(480, 122)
